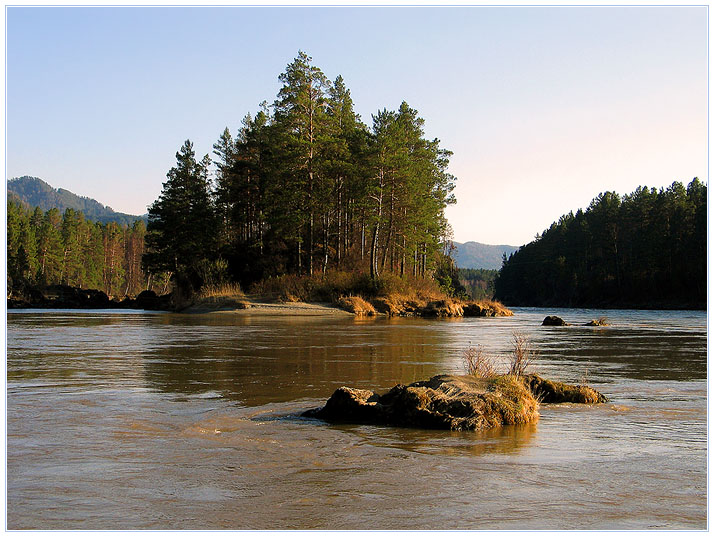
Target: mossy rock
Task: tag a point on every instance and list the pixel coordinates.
(458, 403)
(548, 391)
(453, 402)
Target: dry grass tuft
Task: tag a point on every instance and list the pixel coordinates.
(223, 290)
(357, 305)
(486, 308)
(227, 296)
(499, 309)
(444, 308)
(513, 401)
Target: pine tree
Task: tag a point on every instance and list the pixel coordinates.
(300, 115)
(49, 249)
(182, 229)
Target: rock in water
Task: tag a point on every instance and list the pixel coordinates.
(553, 320)
(457, 403)
(548, 391)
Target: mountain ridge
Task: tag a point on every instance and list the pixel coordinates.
(34, 192)
(477, 255)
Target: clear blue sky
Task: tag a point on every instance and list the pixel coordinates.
(543, 107)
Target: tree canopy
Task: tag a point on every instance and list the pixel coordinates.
(646, 248)
(48, 248)
(305, 186)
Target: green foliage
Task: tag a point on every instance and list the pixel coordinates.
(310, 188)
(181, 233)
(48, 248)
(447, 276)
(480, 284)
(644, 248)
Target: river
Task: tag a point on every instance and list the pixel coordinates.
(128, 420)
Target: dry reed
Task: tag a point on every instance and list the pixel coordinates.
(522, 354)
(478, 363)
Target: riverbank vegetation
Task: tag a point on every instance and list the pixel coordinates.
(644, 249)
(52, 258)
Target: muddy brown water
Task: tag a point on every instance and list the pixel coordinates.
(123, 420)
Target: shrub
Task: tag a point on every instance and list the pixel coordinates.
(521, 356)
(482, 365)
(478, 363)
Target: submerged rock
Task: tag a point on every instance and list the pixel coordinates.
(458, 403)
(554, 320)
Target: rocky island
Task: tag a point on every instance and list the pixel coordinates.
(454, 402)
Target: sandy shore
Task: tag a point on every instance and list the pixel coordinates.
(250, 305)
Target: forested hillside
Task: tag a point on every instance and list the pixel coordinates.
(647, 249)
(475, 255)
(479, 284)
(304, 187)
(47, 248)
(33, 192)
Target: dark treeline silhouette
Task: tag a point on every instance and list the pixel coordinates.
(646, 249)
(50, 248)
(302, 188)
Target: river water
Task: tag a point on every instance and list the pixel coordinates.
(134, 420)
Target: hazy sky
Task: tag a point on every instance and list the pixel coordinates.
(543, 107)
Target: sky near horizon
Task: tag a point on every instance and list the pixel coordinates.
(543, 107)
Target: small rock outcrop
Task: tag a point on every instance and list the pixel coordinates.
(68, 297)
(65, 296)
(554, 320)
(458, 403)
(548, 391)
(486, 309)
(442, 308)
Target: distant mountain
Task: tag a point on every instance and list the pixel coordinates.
(34, 192)
(481, 256)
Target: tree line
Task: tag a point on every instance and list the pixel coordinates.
(304, 186)
(479, 284)
(647, 248)
(49, 247)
